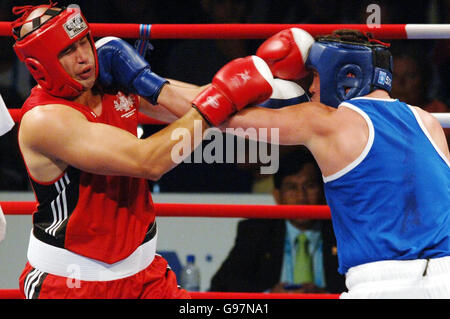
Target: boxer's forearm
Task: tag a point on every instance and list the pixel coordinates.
(177, 99)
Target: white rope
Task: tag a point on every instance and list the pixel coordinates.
(443, 118)
(427, 31)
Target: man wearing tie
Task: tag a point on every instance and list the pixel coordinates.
(278, 255)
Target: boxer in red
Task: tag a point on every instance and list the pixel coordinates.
(94, 232)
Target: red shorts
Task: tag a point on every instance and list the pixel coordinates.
(157, 281)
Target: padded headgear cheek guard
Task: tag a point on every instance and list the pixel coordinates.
(40, 48)
(348, 70)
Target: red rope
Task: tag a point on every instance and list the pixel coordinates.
(10, 294)
(229, 31)
(245, 211)
(257, 295)
(262, 31)
(208, 210)
(18, 208)
(15, 294)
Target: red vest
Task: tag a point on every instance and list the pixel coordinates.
(101, 217)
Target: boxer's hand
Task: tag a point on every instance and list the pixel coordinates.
(285, 93)
(120, 65)
(286, 53)
(239, 83)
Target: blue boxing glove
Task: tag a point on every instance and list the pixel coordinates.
(285, 93)
(121, 66)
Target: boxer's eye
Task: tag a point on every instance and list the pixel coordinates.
(67, 50)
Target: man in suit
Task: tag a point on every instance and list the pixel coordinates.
(264, 255)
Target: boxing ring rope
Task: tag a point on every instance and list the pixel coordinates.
(207, 210)
(15, 294)
(253, 31)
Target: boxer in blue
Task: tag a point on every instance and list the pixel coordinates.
(385, 163)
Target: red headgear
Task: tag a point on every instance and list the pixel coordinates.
(40, 48)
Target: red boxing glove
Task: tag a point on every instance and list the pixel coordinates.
(286, 53)
(239, 83)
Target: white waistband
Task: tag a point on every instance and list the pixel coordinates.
(61, 262)
(396, 269)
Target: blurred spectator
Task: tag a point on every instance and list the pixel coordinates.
(264, 254)
(414, 78)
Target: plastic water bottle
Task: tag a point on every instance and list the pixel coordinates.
(156, 189)
(190, 275)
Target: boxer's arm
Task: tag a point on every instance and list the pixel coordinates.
(182, 84)
(157, 112)
(294, 125)
(285, 93)
(70, 139)
(104, 149)
(173, 102)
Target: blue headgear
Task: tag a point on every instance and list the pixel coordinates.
(368, 64)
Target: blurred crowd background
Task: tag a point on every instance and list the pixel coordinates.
(421, 67)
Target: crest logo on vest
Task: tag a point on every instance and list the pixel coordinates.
(124, 103)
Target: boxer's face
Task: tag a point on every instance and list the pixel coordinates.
(314, 89)
(79, 62)
(78, 59)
